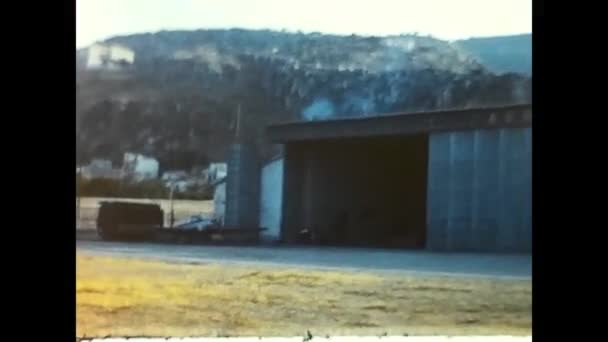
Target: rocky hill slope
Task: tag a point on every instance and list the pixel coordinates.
(179, 99)
(502, 54)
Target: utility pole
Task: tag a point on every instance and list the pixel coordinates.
(172, 213)
(238, 123)
(78, 181)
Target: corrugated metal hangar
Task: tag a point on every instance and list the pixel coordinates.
(455, 180)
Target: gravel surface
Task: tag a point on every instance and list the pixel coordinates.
(352, 259)
(327, 339)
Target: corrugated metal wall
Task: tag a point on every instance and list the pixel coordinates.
(242, 187)
(480, 190)
(271, 198)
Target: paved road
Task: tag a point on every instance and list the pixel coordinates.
(352, 259)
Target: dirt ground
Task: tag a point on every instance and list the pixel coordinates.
(127, 297)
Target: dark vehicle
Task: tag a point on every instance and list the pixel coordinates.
(128, 221)
(125, 221)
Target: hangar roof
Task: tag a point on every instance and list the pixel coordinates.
(519, 115)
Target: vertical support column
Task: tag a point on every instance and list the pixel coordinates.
(307, 194)
(460, 191)
(485, 190)
(526, 232)
(437, 190)
(233, 182)
(502, 233)
(242, 187)
(515, 190)
(292, 191)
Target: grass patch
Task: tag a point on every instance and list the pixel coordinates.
(123, 296)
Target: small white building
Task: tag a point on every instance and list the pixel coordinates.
(177, 179)
(100, 168)
(140, 167)
(216, 171)
(109, 56)
(102, 164)
(219, 200)
(174, 175)
(180, 185)
(271, 196)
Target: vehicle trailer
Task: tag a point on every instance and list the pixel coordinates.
(126, 221)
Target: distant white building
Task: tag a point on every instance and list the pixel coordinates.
(169, 176)
(216, 176)
(178, 179)
(180, 185)
(102, 164)
(219, 200)
(139, 167)
(100, 168)
(216, 171)
(271, 196)
(109, 56)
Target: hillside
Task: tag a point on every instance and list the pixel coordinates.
(178, 101)
(502, 54)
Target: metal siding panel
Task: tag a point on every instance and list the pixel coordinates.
(461, 186)
(516, 196)
(242, 187)
(502, 233)
(485, 190)
(437, 190)
(527, 195)
(232, 185)
(291, 204)
(479, 190)
(511, 189)
(518, 193)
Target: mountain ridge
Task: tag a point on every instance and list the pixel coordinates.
(177, 101)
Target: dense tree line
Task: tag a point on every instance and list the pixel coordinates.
(154, 188)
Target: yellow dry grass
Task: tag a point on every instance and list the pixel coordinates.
(128, 297)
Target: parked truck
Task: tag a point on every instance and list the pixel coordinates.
(127, 221)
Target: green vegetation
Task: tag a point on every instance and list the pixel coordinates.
(502, 54)
(154, 188)
(183, 111)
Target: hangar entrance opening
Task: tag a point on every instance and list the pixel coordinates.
(357, 191)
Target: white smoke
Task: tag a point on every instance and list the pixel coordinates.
(320, 109)
(359, 105)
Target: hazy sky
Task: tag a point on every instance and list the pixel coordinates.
(445, 19)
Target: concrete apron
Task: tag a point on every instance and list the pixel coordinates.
(323, 339)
